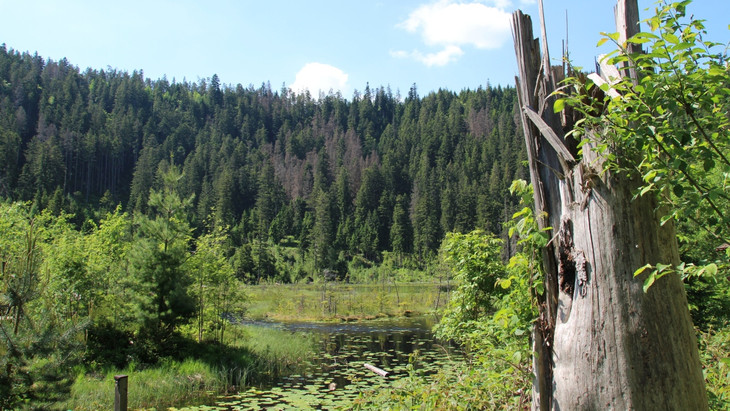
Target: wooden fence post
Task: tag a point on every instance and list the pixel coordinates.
(120, 393)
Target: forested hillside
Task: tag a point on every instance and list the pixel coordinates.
(147, 226)
(336, 177)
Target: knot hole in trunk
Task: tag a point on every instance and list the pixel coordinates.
(566, 263)
(572, 263)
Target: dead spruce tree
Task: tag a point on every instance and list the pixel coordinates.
(601, 341)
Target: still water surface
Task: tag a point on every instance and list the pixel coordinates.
(338, 375)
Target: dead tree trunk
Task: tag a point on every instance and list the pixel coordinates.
(600, 341)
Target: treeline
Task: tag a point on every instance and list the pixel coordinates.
(337, 178)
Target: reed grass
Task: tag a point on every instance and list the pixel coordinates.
(277, 352)
(168, 384)
(251, 356)
(342, 301)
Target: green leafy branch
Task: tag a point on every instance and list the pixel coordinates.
(530, 238)
(684, 270)
(670, 126)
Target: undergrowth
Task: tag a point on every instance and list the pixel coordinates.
(715, 356)
(169, 384)
(199, 373)
(343, 301)
(488, 382)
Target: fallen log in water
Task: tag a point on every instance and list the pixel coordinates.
(376, 370)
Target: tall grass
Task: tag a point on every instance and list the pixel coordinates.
(334, 301)
(277, 352)
(251, 356)
(168, 384)
(715, 356)
(490, 380)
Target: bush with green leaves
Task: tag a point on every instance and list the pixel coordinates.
(490, 313)
(38, 347)
(668, 127)
(493, 306)
(475, 261)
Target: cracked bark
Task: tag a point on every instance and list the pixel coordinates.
(600, 341)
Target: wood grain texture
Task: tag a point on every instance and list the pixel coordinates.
(600, 341)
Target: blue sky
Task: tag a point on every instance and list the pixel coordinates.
(318, 44)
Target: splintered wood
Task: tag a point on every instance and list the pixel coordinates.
(600, 341)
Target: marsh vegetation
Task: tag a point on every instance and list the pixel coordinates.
(234, 245)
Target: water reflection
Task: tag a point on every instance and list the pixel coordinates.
(338, 374)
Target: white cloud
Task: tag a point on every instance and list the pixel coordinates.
(317, 77)
(450, 25)
(400, 54)
(441, 58)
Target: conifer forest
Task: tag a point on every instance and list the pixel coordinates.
(506, 247)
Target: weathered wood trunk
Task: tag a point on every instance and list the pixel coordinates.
(600, 341)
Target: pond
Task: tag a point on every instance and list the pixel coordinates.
(338, 375)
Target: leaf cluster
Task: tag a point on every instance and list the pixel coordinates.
(667, 127)
(494, 303)
(489, 314)
(37, 347)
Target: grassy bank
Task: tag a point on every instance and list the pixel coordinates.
(341, 301)
(169, 384)
(251, 356)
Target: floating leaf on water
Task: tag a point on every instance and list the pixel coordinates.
(340, 360)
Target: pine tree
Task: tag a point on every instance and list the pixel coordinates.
(323, 232)
(157, 261)
(343, 207)
(401, 232)
(38, 349)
